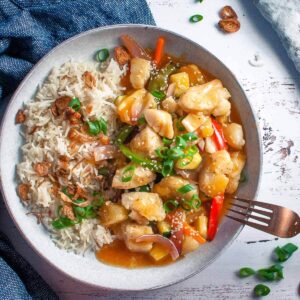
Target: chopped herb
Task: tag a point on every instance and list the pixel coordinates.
(159, 95)
(167, 142)
(175, 153)
(162, 152)
(144, 188)
(62, 222)
(261, 290)
(196, 18)
(141, 121)
(98, 202)
(170, 205)
(243, 177)
(102, 55)
(75, 104)
(167, 234)
(103, 171)
(189, 137)
(285, 252)
(65, 191)
(193, 203)
(180, 142)
(128, 173)
(246, 272)
(272, 273)
(123, 134)
(179, 125)
(95, 127)
(167, 168)
(185, 189)
(185, 161)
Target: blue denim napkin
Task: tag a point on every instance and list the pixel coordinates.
(28, 30)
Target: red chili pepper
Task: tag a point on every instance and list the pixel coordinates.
(176, 220)
(215, 211)
(218, 136)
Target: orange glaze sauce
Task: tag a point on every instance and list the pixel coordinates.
(117, 254)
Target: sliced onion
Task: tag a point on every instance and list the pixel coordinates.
(201, 145)
(170, 90)
(157, 238)
(105, 152)
(134, 48)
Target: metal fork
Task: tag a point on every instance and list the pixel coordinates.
(274, 219)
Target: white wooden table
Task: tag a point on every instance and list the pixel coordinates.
(274, 92)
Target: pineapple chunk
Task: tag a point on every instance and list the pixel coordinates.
(206, 129)
(184, 164)
(181, 81)
(201, 225)
(163, 227)
(189, 244)
(158, 252)
(212, 184)
(192, 122)
(195, 75)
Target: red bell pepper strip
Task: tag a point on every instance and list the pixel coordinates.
(190, 231)
(176, 220)
(218, 136)
(215, 211)
(159, 51)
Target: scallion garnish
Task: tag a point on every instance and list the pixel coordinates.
(167, 142)
(170, 205)
(103, 171)
(179, 125)
(128, 173)
(75, 104)
(123, 134)
(243, 177)
(167, 168)
(261, 290)
(65, 191)
(97, 126)
(196, 18)
(285, 252)
(141, 121)
(175, 153)
(185, 161)
(246, 272)
(189, 137)
(62, 222)
(162, 152)
(272, 273)
(185, 189)
(193, 203)
(102, 55)
(180, 142)
(159, 95)
(144, 188)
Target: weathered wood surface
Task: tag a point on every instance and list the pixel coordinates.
(274, 91)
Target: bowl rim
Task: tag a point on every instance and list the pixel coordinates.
(24, 81)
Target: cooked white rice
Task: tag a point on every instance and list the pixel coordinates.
(49, 141)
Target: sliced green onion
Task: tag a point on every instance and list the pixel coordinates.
(79, 200)
(162, 152)
(128, 173)
(246, 272)
(167, 234)
(261, 290)
(285, 252)
(103, 125)
(141, 121)
(98, 203)
(272, 273)
(102, 55)
(144, 188)
(94, 128)
(123, 134)
(158, 95)
(196, 18)
(192, 150)
(167, 168)
(170, 205)
(103, 171)
(75, 104)
(179, 125)
(189, 137)
(185, 189)
(185, 161)
(167, 142)
(180, 142)
(243, 177)
(193, 203)
(65, 191)
(175, 153)
(62, 222)
(152, 165)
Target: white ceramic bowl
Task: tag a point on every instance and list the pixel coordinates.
(87, 269)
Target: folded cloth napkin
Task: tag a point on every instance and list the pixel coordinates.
(28, 30)
(284, 15)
